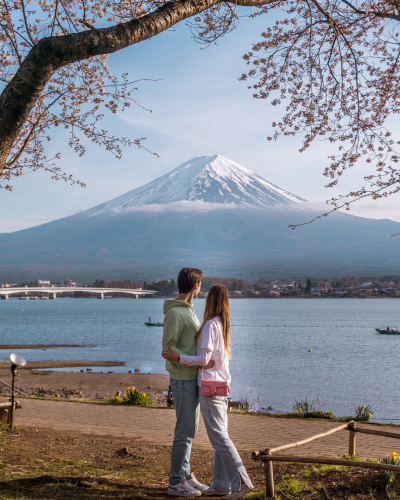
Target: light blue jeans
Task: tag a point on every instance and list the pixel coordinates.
(185, 394)
(228, 467)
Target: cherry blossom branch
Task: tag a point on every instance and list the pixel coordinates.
(11, 162)
(26, 24)
(368, 194)
(383, 15)
(13, 44)
(55, 18)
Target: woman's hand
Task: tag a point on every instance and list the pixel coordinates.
(170, 355)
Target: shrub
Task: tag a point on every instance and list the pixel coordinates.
(302, 407)
(135, 397)
(319, 414)
(389, 476)
(363, 414)
(132, 396)
(305, 409)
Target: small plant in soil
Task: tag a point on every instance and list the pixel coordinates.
(363, 413)
(305, 409)
(132, 396)
(303, 406)
(389, 476)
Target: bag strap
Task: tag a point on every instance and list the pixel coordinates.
(222, 345)
(222, 349)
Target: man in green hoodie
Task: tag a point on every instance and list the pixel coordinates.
(180, 327)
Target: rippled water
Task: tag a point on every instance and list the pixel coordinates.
(350, 364)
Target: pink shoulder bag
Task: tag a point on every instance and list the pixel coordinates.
(214, 387)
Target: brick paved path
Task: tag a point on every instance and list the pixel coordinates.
(157, 425)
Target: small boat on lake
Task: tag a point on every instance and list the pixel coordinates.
(387, 331)
(147, 323)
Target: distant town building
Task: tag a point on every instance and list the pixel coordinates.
(43, 283)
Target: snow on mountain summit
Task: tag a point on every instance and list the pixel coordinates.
(210, 179)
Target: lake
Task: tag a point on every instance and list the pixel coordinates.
(350, 364)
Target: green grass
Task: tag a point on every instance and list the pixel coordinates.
(355, 458)
(321, 469)
(52, 467)
(8, 495)
(293, 487)
(255, 494)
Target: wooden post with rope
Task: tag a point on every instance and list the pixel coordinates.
(269, 477)
(352, 438)
(266, 454)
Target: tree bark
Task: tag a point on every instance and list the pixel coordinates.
(20, 95)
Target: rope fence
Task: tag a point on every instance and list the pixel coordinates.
(268, 459)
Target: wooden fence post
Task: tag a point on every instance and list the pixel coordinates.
(352, 439)
(269, 477)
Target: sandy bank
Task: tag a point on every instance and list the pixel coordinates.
(5, 365)
(40, 346)
(86, 385)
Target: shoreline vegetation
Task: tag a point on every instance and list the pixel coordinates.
(74, 295)
(317, 287)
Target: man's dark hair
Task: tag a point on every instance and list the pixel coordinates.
(187, 278)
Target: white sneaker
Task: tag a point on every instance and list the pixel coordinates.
(182, 489)
(209, 492)
(195, 484)
(237, 494)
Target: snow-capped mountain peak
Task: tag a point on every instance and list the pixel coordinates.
(209, 179)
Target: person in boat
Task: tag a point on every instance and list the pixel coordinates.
(180, 328)
(230, 478)
(149, 319)
(388, 329)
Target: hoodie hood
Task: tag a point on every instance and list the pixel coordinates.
(170, 303)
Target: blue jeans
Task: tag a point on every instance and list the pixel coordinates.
(228, 471)
(185, 394)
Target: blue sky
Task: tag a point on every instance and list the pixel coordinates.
(198, 108)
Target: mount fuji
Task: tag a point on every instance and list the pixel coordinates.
(209, 179)
(209, 212)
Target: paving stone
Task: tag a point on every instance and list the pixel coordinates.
(156, 425)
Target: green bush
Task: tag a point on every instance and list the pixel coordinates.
(302, 407)
(305, 409)
(389, 476)
(319, 414)
(132, 396)
(363, 413)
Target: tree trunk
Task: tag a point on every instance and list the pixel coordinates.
(51, 53)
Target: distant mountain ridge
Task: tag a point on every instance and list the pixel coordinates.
(126, 238)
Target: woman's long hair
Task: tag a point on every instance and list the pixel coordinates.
(217, 304)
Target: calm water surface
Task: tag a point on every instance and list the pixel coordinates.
(350, 364)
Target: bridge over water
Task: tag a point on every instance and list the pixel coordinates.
(53, 291)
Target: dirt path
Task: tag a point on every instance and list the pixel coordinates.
(155, 425)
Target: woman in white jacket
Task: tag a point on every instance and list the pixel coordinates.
(230, 478)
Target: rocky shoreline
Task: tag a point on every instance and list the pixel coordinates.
(83, 385)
